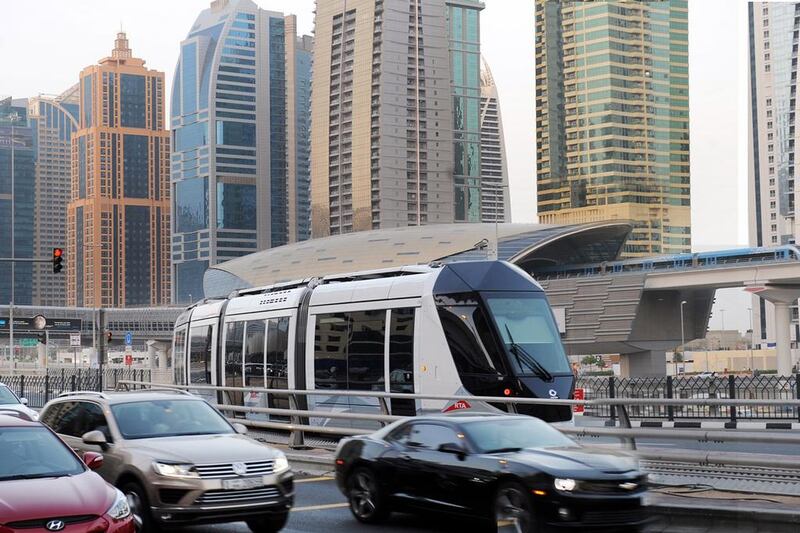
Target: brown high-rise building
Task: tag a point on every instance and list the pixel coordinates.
(119, 216)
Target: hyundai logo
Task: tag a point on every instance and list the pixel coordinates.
(239, 469)
(55, 525)
(553, 393)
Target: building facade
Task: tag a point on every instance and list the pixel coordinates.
(54, 121)
(395, 136)
(612, 118)
(240, 122)
(495, 202)
(118, 216)
(773, 118)
(16, 167)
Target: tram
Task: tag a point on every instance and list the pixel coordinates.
(462, 329)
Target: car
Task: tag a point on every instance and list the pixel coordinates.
(45, 486)
(176, 458)
(9, 400)
(494, 469)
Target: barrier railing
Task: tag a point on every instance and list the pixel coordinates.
(298, 423)
(38, 389)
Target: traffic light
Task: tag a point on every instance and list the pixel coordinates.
(108, 336)
(58, 258)
(42, 338)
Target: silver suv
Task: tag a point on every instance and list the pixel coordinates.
(176, 458)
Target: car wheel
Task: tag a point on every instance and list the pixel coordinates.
(268, 524)
(367, 502)
(513, 508)
(140, 508)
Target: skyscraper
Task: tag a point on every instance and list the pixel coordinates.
(395, 136)
(17, 167)
(54, 121)
(773, 118)
(495, 204)
(612, 118)
(239, 115)
(117, 253)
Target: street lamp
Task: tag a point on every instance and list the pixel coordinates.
(12, 117)
(683, 336)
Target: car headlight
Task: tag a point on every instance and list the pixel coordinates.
(175, 470)
(281, 464)
(120, 509)
(565, 484)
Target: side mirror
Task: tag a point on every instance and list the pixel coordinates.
(23, 401)
(241, 429)
(452, 447)
(95, 438)
(92, 459)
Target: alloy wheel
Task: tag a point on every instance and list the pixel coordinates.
(363, 495)
(511, 506)
(135, 503)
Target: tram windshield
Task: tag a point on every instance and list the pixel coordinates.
(529, 333)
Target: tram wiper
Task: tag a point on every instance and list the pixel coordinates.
(524, 357)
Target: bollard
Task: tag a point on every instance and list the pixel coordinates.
(732, 396)
(670, 408)
(22, 386)
(46, 388)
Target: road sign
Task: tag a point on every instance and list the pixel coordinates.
(28, 343)
(128, 359)
(578, 395)
(75, 340)
(128, 338)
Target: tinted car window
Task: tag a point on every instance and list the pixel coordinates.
(168, 418)
(430, 436)
(94, 419)
(34, 452)
(64, 418)
(6, 396)
(491, 435)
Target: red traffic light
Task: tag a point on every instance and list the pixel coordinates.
(58, 259)
(58, 252)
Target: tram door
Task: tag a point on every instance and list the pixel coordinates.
(202, 338)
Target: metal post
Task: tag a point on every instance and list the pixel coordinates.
(73, 383)
(46, 386)
(732, 396)
(101, 344)
(611, 394)
(670, 408)
(13, 252)
(752, 338)
(22, 386)
(683, 339)
(797, 392)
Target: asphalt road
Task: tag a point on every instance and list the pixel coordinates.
(319, 506)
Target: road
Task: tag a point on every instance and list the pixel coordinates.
(319, 506)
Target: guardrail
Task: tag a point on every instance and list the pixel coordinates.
(40, 388)
(298, 424)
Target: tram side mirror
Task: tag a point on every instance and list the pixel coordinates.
(241, 429)
(454, 448)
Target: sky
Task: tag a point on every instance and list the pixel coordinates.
(72, 35)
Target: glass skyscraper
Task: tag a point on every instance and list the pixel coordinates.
(54, 120)
(239, 119)
(612, 118)
(17, 162)
(395, 114)
(495, 204)
(117, 253)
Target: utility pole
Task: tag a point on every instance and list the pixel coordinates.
(13, 117)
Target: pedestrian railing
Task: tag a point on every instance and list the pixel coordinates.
(695, 388)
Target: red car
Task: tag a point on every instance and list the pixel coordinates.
(44, 485)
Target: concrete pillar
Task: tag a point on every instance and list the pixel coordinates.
(162, 358)
(644, 363)
(41, 353)
(151, 355)
(783, 318)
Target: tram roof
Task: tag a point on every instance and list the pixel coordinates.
(526, 245)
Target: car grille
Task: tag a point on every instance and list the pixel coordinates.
(225, 470)
(41, 522)
(610, 486)
(237, 496)
(621, 516)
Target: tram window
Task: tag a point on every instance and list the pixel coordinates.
(365, 350)
(401, 351)
(233, 354)
(180, 357)
(254, 354)
(277, 353)
(349, 352)
(200, 355)
(465, 328)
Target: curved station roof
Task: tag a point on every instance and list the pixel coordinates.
(526, 245)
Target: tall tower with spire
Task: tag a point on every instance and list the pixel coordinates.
(118, 216)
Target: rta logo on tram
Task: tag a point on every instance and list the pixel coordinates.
(553, 393)
(461, 404)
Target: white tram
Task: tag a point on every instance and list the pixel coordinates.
(477, 328)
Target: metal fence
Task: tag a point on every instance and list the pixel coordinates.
(695, 388)
(38, 389)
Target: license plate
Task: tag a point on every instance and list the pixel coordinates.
(243, 484)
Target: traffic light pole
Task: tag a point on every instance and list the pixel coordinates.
(101, 343)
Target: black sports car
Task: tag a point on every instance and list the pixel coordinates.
(500, 469)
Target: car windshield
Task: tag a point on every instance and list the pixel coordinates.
(34, 452)
(6, 396)
(524, 320)
(515, 434)
(168, 418)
